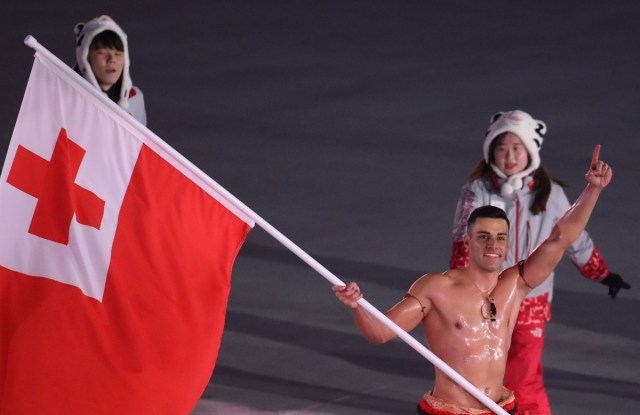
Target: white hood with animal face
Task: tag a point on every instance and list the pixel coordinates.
(85, 32)
(531, 132)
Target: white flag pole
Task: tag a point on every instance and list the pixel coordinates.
(235, 205)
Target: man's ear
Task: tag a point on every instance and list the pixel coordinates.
(465, 240)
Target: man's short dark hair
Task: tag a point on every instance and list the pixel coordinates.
(488, 211)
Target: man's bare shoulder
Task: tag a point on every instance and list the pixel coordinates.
(510, 275)
(435, 281)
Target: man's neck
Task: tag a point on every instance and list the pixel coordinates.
(484, 279)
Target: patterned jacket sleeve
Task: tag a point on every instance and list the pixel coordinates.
(596, 268)
(459, 251)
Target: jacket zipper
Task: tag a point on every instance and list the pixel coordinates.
(517, 227)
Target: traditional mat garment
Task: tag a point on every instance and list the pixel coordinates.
(430, 405)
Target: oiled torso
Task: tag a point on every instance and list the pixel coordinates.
(459, 334)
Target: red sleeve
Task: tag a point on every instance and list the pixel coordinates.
(459, 255)
(595, 268)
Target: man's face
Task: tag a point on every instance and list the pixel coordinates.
(107, 65)
(488, 241)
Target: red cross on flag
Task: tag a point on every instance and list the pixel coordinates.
(115, 259)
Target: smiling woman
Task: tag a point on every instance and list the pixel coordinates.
(102, 58)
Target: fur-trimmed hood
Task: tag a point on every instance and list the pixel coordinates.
(85, 32)
(531, 132)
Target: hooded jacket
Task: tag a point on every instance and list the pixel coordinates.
(130, 97)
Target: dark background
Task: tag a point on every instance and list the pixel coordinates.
(350, 127)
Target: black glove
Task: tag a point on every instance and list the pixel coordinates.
(615, 284)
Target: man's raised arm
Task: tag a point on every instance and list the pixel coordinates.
(547, 255)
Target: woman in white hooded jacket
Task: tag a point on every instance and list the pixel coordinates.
(102, 58)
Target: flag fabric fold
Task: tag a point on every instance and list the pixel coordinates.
(115, 261)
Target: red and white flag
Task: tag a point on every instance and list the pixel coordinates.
(115, 260)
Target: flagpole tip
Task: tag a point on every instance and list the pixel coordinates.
(30, 41)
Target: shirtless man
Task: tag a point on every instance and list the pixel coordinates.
(468, 314)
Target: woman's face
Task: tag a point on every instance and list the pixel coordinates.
(107, 65)
(510, 155)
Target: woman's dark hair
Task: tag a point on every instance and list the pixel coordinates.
(541, 177)
(107, 39)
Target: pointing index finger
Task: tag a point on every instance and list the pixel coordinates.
(596, 155)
